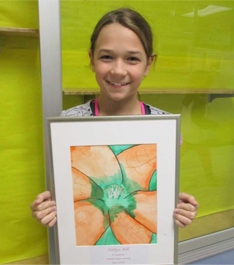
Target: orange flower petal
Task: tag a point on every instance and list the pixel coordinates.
(138, 163)
(126, 229)
(90, 221)
(84, 187)
(146, 208)
(98, 163)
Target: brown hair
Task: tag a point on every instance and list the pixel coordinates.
(129, 19)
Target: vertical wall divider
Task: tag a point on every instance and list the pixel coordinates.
(51, 76)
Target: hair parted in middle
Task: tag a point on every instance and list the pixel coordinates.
(131, 20)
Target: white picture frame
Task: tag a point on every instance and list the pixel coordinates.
(162, 131)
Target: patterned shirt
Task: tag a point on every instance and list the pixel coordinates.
(88, 110)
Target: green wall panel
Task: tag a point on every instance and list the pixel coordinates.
(193, 39)
(19, 13)
(21, 146)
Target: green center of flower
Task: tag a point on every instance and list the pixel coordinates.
(114, 195)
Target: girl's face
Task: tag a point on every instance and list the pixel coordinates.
(119, 62)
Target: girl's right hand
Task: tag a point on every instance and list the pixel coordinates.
(44, 209)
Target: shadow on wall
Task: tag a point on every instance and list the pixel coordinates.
(204, 129)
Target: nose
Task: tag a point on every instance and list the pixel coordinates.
(119, 68)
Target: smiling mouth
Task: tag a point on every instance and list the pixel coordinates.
(117, 84)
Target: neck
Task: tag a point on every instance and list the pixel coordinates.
(108, 107)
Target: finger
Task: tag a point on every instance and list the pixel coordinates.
(184, 197)
(41, 214)
(44, 196)
(51, 224)
(178, 223)
(187, 207)
(182, 219)
(48, 219)
(188, 214)
(43, 206)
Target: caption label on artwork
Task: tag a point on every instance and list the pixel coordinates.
(118, 255)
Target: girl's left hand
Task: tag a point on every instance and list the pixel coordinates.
(186, 210)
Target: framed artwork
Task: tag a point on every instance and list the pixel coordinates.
(115, 182)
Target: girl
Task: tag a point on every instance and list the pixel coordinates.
(121, 55)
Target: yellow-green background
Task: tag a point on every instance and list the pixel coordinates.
(194, 42)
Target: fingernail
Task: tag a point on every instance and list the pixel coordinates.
(177, 211)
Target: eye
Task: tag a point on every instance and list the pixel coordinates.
(133, 59)
(106, 57)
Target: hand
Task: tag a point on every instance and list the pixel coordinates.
(186, 210)
(44, 209)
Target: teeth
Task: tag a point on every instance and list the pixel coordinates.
(118, 84)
